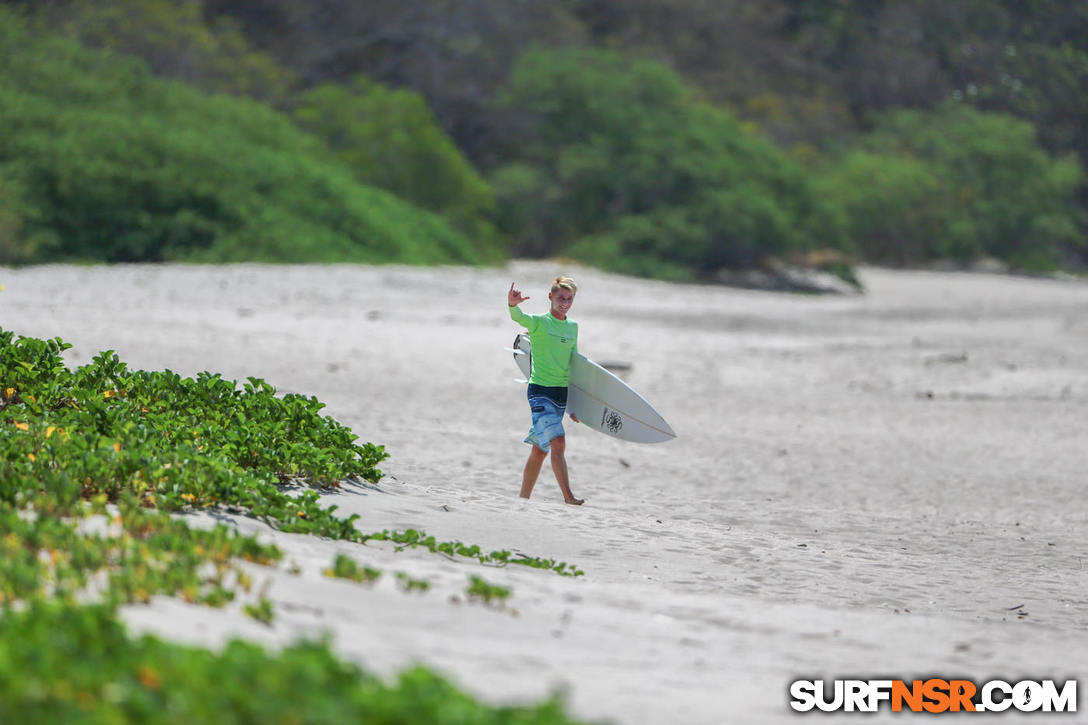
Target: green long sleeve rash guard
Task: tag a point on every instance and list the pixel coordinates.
(553, 342)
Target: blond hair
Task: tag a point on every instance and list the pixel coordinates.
(566, 283)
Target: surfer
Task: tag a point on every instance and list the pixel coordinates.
(554, 338)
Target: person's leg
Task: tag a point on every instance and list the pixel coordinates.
(532, 470)
(559, 467)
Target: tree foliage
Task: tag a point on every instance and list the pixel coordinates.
(628, 166)
(175, 39)
(959, 183)
(390, 139)
(115, 164)
(1025, 58)
(818, 78)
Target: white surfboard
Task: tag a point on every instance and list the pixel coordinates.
(601, 400)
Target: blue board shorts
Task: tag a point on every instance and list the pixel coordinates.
(548, 406)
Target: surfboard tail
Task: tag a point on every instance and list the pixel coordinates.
(523, 355)
(601, 400)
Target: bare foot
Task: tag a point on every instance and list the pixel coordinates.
(575, 501)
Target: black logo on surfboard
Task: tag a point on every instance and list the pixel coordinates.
(612, 420)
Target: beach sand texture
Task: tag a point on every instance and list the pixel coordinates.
(887, 485)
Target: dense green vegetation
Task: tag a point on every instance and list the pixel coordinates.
(391, 140)
(95, 465)
(77, 666)
(106, 161)
(957, 184)
(102, 432)
(153, 441)
(647, 178)
(176, 40)
(671, 138)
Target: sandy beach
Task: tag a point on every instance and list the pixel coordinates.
(885, 485)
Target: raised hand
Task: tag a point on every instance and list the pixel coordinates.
(514, 298)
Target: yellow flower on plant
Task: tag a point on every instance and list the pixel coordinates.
(149, 678)
(22, 426)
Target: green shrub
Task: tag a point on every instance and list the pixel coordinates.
(629, 170)
(896, 208)
(958, 183)
(390, 139)
(118, 165)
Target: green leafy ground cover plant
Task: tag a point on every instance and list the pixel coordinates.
(78, 666)
(103, 433)
(175, 443)
(480, 589)
(262, 610)
(142, 553)
(93, 463)
(412, 538)
(410, 584)
(344, 567)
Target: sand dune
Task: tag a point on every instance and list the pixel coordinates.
(885, 485)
